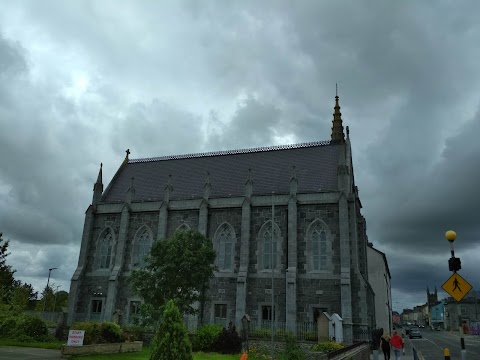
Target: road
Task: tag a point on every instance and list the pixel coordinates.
(24, 353)
(434, 342)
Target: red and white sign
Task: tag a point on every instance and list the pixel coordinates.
(75, 337)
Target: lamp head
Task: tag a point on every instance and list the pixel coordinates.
(450, 235)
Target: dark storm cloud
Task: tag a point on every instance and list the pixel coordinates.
(253, 124)
(180, 77)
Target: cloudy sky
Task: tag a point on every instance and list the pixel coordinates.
(81, 81)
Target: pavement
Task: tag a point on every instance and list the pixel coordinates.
(408, 352)
(25, 353)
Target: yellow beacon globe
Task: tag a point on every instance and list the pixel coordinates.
(450, 235)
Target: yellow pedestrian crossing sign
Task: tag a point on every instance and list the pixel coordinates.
(457, 287)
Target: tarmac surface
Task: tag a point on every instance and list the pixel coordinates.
(25, 353)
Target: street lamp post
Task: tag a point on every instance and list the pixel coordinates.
(454, 264)
(46, 291)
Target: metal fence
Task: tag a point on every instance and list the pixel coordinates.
(262, 329)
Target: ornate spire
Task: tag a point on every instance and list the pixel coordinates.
(99, 178)
(98, 188)
(337, 127)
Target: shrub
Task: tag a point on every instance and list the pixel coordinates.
(228, 342)
(171, 340)
(92, 331)
(327, 346)
(110, 332)
(206, 337)
(31, 326)
(293, 351)
(24, 338)
(133, 333)
(7, 324)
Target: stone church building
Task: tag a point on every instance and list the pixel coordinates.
(317, 244)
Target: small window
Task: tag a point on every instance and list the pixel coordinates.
(221, 311)
(96, 310)
(463, 311)
(267, 313)
(96, 306)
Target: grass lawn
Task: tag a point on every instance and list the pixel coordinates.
(42, 345)
(145, 353)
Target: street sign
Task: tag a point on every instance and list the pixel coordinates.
(457, 287)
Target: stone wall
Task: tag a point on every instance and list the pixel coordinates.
(179, 217)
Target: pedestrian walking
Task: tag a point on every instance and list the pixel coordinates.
(385, 345)
(397, 344)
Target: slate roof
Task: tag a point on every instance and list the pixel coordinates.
(271, 168)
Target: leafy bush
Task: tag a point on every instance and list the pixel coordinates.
(99, 333)
(7, 325)
(327, 346)
(228, 342)
(171, 340)
(92, 331)
(110, 332)
(206, 337)
(31, 326)
(293, 351)
(133, 333)
(24, 338)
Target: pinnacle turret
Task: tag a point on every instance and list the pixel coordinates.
(337, 125)
(98, 188)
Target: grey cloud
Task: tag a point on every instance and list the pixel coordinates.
(163, 76)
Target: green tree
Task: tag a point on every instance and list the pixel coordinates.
(178, 269)
(22, 295)
(171, 340)
(7, 281)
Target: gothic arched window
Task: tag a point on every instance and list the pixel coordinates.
(225, 246)
(269, 248)
(319, 247)
(142, 246)
(183, 227)
(106, 249)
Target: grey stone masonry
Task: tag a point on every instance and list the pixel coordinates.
(182, 219)
(241, 300)
(345, 282)
(291, 272)
(118, 263)
(162, 221)
(77, 275)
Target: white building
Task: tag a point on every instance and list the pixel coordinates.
(380, 280)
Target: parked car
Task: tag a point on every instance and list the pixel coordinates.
(414, 333)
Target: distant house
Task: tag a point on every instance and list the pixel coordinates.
(380, 281)
(396, 318)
